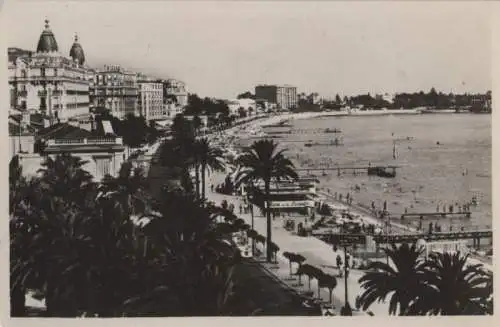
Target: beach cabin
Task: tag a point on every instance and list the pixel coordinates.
(288, 197)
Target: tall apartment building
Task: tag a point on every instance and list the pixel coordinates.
(48, 82)
(284, 96)
(151, 105)
(116, 90)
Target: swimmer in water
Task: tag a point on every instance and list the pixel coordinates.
(438, 143)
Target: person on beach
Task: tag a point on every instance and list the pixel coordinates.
(437, 208)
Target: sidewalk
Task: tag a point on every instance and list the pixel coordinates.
(314, 250)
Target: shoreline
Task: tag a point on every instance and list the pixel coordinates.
(238, 132)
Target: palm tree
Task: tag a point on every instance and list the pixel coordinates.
(49, 229)
(454, 287)
(263, 162)
(128, 188)
(65, 178)
(404, 278)
(209, 158)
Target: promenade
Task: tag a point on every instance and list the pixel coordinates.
(315, 251)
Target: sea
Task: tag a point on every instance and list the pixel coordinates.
(445, 160)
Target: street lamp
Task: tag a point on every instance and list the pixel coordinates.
(346, 310)
(250, 202)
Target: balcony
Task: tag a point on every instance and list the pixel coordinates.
(22, 93)
(86, 141)
(57, 93)
(42, 93)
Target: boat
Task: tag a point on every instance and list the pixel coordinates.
(335, 130)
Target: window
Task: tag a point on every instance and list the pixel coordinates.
(102, 166)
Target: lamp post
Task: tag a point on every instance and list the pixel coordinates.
(250, 202)
(346, 310)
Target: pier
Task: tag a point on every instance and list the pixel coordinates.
(307, 131)
(475, 235)
(435, 215)
(371, 170)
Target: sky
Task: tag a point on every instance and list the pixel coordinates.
(224, 48)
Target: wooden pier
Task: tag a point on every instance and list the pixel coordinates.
(354, 169)
(435, 215)
(475, 235)
(307, 131)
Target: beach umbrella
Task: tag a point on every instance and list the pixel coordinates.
(330, 282)
(291, 258)
(274, 248)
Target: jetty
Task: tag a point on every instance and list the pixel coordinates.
(475, 235)
(380, 170)
(466, 214)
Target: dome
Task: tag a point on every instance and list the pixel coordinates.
(76, 52)
(47, 41)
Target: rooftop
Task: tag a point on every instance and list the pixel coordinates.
(47, 41)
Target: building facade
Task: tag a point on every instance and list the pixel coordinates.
(175, 90)
(284, 96)
(48, 82)
(151, 99)
(116, 90)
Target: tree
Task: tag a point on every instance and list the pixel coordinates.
(263, 162)
(454, 287)
(404, 279)
(210, 159)
(197, 123)
(128, 189)
(246, 95)
(174, 258)
(338, 100)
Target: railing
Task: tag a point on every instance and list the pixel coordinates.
(86, 141)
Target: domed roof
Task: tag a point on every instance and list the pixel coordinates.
(76, 52)
(47, 41)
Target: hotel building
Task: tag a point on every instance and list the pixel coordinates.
(175, 89)
(151, 98)
(48, 82)
(116, 90)
(284, 96)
